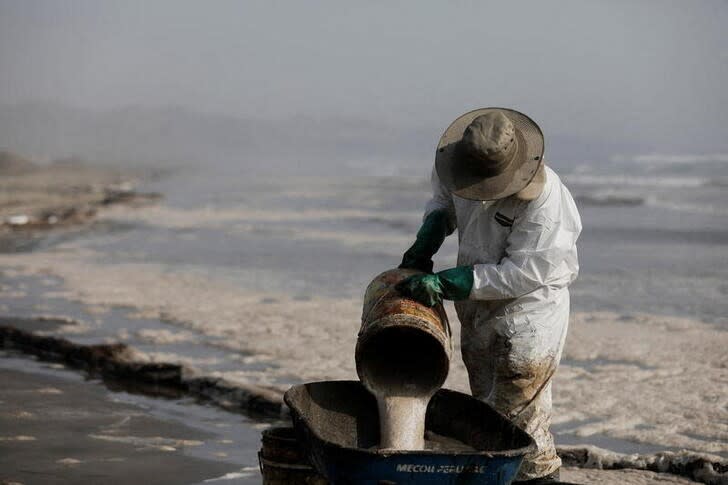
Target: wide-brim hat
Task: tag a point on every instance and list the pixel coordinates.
(477, 176)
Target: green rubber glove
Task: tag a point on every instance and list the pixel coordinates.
(431, 289)
(434, 230)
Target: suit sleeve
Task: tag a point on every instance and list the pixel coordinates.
(541, 251)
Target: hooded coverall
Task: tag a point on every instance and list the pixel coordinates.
(514, 322)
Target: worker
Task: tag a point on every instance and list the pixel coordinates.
(517, 227)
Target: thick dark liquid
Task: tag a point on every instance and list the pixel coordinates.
(439, 443)
(436, 442)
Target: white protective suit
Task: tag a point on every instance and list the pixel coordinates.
(514, 322)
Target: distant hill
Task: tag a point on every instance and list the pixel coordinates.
(300, 145)
(14, 164)
(174, 135)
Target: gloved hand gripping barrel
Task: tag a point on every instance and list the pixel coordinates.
(401, 343)
(404, 347)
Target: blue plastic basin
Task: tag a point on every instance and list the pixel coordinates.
(337, 423)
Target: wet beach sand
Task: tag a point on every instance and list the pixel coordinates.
(57, 428)
(634, 383)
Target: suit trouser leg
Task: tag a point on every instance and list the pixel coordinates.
(511, 373)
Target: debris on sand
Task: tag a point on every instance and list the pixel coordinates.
(701, 467)
(38, 197)
(120, 364)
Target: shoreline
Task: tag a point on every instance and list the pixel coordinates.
(35, 200)
(306, 339)
(115, 363)
(613, 380)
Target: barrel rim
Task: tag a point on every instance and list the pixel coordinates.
(387, 321)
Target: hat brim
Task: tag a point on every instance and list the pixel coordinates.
(458, 175)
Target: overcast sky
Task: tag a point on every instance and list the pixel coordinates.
(645, 71)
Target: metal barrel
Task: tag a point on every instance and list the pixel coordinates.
(283, 462)
(401, 342)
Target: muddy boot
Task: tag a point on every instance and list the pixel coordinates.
(551, 479)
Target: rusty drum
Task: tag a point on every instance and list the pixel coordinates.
(283, 461)
(402, 344)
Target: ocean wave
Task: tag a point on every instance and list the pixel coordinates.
(407, 225)
(637, 181)
(671, 159)
(705, 209)
(717, 182)
(610, 200)
(632, 200)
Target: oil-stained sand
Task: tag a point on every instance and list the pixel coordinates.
(652, 379)
(629, 381)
